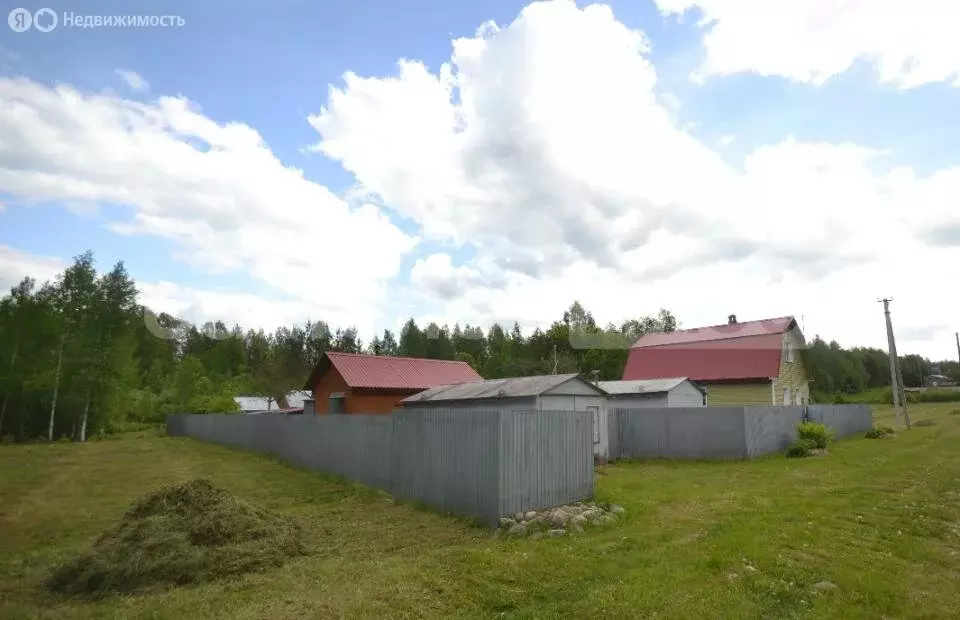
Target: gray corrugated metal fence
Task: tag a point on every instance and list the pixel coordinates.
(846, 420)
(724, 432)
(770, 429)
(546, 458)
(682, 433)
(475, 463)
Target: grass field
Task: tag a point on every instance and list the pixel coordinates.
(880, 519)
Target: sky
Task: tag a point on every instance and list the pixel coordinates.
(366, 162)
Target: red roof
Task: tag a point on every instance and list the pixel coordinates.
(396, 373)
(749, 350)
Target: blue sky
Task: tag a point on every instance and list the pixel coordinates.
(270, 65)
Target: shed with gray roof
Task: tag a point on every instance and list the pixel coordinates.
(656, 393)
(567, 392)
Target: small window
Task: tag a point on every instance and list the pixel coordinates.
(788, 351)
(786, 396)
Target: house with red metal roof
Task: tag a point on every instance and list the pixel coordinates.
(748, 363)
(358, 383)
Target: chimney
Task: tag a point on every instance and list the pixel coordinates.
(732, 319)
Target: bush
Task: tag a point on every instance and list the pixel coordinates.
(816, 433)
(878, 431)
(188, 533)
(800, 448)
(955, 412)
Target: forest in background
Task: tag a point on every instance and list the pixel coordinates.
(79, 356)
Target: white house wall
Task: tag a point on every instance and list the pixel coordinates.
(685, 395)
(638, 401)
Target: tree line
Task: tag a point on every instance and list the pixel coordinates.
(81, 356)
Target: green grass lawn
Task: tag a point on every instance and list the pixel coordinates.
(880, 519)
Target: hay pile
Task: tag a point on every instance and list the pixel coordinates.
(188, 533)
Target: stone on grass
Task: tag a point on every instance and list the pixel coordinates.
(506, 522)
(518, 529)
(823, 586)
(518, 516)
(557, 532)
(617, 509)
(530, 515)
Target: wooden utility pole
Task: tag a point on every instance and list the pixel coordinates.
(896, 381)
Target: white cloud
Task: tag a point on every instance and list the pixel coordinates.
(15, 265)
(726, 139)
(814, 40)
(216, 190)
(544, 147)
(134, 80)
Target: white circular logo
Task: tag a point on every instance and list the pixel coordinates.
(20, 20)
(40, 26)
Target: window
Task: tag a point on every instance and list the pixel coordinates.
(596, 423)
(798, 397)
(788, 351)
(786, 396)
(337, 403)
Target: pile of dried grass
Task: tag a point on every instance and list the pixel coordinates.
(188, 533)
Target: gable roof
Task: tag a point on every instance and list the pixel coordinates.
(712, 333)
(496, 388)
(391, 373)
(645, 386)
(739, 351)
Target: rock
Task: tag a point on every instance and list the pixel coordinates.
(506, 522)
(732, 576)
(536, 536)
(557, 519)
(518, 529)
(615, 509)
(750, 569)
(518, 516)
(823, 586)
(557, 532)
(530, 515)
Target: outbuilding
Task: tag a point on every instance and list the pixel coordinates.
(355, 383)
(654, 393)
(567, 392)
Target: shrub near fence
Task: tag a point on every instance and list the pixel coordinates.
(480, 464)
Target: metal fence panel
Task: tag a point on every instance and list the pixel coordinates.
(770, 429)
(682, 433)
(452, 460)
(448, 459)
(546, 459)
(845, 420)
